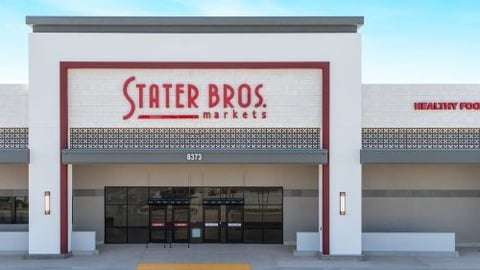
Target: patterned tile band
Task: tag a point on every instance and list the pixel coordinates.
(13, 138)
(196, 138)
(250, 138)
(421, 138)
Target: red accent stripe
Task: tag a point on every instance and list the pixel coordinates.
(326, 167)
(167, 116)
(63, 167)
(195, 65)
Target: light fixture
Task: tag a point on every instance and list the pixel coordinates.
(343, 203)
(46, 200)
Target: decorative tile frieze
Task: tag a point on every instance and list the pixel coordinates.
(421, 138)
(196, 138)
(13, 138)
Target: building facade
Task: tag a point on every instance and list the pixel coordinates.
(228, 130)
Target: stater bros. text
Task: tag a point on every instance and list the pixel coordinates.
(222, 100)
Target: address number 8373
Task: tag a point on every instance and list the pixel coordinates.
(194, 157)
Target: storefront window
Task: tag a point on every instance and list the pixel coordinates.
(6, 212)
(14, 210)
(257, 213)
(263, 215)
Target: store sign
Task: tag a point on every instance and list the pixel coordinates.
(224, 101)
(190, 98)
(446, 106)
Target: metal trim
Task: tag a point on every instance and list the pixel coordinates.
(14, 156)
(70, 156)
(250, 24)
(419, 156)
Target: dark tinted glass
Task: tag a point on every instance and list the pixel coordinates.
(138, 235)
(156, 192)
(212, 193)
(177, 193)
(21, 210)
(252, 214)
(272, 214)
(158, 236)
(137, 195)
(196, 214)
(138, 215)
(169, 193)
(115, 235)
(115, 215)
(273, 236)
(6, 210)
(180, 214)
(252, 235)
(181, 234)
(272, 195)
(253, 195)
(115, 195)
(232, 192)
(196, 195)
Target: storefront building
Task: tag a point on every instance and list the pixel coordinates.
(228, 130)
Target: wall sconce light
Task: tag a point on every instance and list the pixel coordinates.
(46, 200)
(343, 203)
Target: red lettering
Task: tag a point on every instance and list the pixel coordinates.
(259, 96)
(192, 96)
(154, 96)
(213, 97)
(178, 93)
(228, 94)
(140, 87)
(129, 99)
(241, 102)
(167, 87)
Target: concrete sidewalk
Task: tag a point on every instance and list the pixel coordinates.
(260, 257)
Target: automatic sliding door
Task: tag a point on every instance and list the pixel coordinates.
(181, 224)
(234, 223)
(158, 224)
(212, 221)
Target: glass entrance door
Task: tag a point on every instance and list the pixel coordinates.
(180, 224)
(159, 223)
(234, 224)
(223, 223)
(211, 219)
(169, 224)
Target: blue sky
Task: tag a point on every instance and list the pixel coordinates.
(404, 41)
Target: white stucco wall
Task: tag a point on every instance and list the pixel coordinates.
(341, 50)
(279, 97)
(392, 105)
(13, 105)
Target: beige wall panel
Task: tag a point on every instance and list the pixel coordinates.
(446, 211)
(88, 212)
(287, 176)
(442, 176)
(13, 176)
(299, 221)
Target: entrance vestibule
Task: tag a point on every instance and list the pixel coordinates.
(194, 214)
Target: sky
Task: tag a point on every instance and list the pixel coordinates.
(403, 41)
